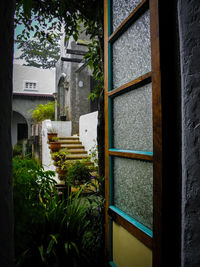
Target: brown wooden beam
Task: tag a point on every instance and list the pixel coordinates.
(131, 155)
(135, 83)
(141, 8)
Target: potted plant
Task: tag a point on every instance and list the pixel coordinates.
(55, 146)
(64, 113)
(60, 156)
(51, 134)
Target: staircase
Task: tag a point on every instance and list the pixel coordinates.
(75, 148)
(76, 152)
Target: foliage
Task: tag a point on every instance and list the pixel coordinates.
(52, 130)
(95, 61)
(94, 237)
(18, 148)
(39, 55)
(61, 159)
(55, 138)
(93, 154)
(51, 15)
(43, 112)
(78, 172)
(32, 187)
(52, 231)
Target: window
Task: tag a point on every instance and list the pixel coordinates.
(30, 86)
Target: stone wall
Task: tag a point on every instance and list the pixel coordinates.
(189, 17)
(73, 86)
(6, 205)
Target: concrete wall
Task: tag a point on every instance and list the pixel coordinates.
(63, 128)
(45, 79)
(47, 162)
(69, 81)
(189, 17)
(88, 130)
(6, 205)
(23, 105)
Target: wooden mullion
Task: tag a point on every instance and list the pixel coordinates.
(144, 79)
(135, 231)
(131, 155)
(106, 127)
(157, 134)
(134, 15)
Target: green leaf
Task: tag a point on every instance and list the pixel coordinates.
(41, 250)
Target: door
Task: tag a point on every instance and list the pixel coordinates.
(132, 133)
(22, 131)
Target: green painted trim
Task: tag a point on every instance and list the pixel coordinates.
(112, 264)
(109, 18)
(132, 221)
(110, 122)
(148, 153)
(110, 181)
(110, 67)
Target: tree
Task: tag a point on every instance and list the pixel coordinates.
(43, 112)
(51, 15)
(39, 55)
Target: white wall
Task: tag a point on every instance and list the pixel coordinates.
(64, 129)
(88, 129)
(44, 77)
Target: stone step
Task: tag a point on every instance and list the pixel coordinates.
(77, 156)
(70, 142)
(77, 151)
(72, 146)
(68, 138)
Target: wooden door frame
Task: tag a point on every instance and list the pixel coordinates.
(157, 122)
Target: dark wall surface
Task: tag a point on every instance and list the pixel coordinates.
(6, 48)
(189, 23)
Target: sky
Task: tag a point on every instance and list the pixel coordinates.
(17, 52)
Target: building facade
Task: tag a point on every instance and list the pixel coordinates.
(74, 82)
(31, 87)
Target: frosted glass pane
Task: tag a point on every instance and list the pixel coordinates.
(121, 10)
(133, 189)
(132, 120)
(132, 52)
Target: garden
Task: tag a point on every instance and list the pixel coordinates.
(54, 228)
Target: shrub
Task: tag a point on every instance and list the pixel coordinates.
(18, 148)
(78, 172)
(32, 190)
(43, 112)
(51, 231)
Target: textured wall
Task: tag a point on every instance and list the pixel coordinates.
(76, 98)
(189, 17)
(23, 104)
(88, 130)
(44, 77)
(63, 129)
(6, 48)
